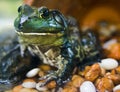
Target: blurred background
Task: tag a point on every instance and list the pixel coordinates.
(8, 12)
(89, 13)
(95, 14)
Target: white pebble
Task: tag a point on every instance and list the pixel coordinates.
(29, 84)
(87, 86)
(32, 72)
(116, 88)
(108, 43)
(40, 88)
(109, 63)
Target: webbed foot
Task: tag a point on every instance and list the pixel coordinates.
(48, 78)
(53, 77)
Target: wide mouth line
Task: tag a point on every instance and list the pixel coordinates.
(21, 33)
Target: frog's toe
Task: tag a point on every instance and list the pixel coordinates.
(52, 75)
(48, 78)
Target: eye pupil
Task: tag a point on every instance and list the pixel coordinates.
(46, 13)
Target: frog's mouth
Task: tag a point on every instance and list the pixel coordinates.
(51, 39)
(40, 34)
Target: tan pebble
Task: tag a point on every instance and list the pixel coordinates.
(45, 67)
(109, 63)
(103, 71)
(68, 84)
(113, 71)
(28, 90)
(29, 83)
(116, 88)
(32, 72)
(70, 89)
(51, 85)
(77, 81)
(107, 44)
(29, 80)
(97, 81)
(93, 73)
(114, 51)
(117, 91)
(75, 76)
(105, 84)
(41, 73)
(82, 73)
(114, 77)
(118, 69)
(17, 88)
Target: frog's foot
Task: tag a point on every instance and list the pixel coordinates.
(53, 76)
(48, 78)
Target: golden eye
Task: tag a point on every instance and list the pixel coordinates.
(44, 12)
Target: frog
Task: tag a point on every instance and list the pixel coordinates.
(41, 29)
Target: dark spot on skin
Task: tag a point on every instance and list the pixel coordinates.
(20, 26)
(29, 18)
(19, 9)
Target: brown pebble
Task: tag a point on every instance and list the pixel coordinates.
(51, 85)
(45, 67)
(118, 69)
(28, 90)
(17, 88)
(70, 89)
(114, 77)
(104, 84)
(103, 71)
(93, 73)
(82, 73)
(77, 81)
(41, 73)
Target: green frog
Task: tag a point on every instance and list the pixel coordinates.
(42, 29)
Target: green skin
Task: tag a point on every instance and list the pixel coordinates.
(46, 28)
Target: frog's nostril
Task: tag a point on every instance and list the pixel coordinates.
(19, 26)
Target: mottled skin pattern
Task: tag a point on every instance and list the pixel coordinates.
(41, 29)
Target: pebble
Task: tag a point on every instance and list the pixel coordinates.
(116, 88)
(87, 86)
(32, 72)
(28, 90)
(109, 63)
(17, 88)
(108, 43)
(29, 83)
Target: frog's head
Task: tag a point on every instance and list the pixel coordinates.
(40, 26)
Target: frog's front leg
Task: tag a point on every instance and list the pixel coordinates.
(65, 68)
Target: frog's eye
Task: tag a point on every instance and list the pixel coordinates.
(44, 12)
(59, 18)
(25, 10)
